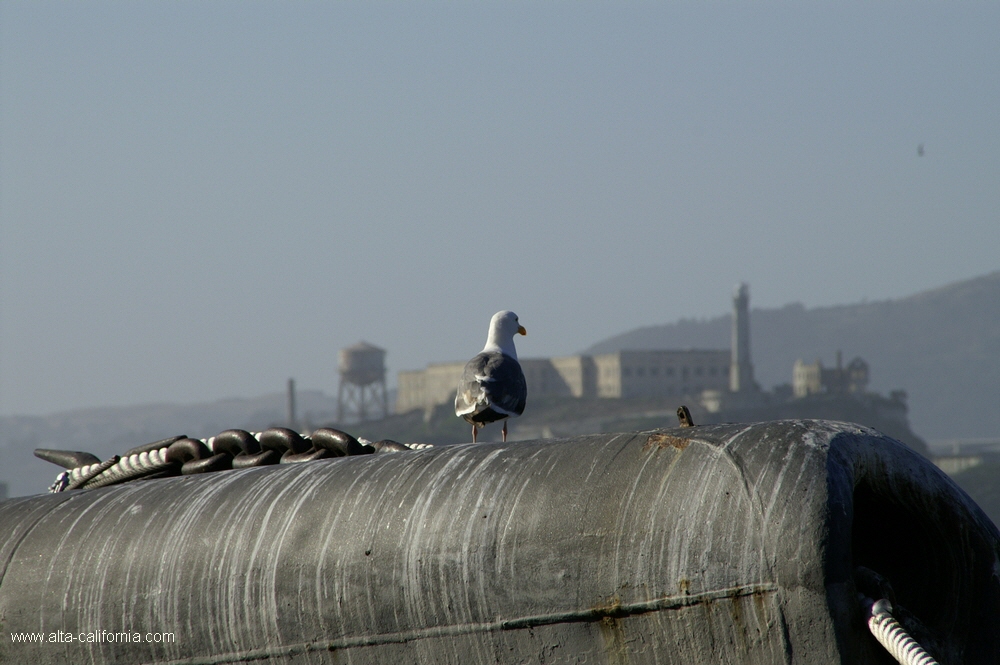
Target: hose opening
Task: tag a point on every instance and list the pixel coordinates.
(909, 550)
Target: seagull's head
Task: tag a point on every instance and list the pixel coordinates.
(506, 324)
(503, 326)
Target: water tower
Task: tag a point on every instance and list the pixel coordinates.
(362, 394)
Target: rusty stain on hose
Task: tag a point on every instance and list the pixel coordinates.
(661, 440)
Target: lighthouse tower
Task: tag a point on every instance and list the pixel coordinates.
(740, 368)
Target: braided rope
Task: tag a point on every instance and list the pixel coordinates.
(894, 637)
(116, 470)
(133, 466)
(96, 470)
(61, 483)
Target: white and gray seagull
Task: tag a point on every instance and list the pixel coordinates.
(492, 386)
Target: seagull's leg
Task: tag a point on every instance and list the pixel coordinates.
(474, 431)
(505, 431)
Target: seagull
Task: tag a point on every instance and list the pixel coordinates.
(492, 386)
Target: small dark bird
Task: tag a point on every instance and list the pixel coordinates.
(920, 150)
(684, 416)
(492, 386)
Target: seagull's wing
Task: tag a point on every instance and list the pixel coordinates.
(491, 380)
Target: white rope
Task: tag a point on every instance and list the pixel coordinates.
(61, 483)
(141, 464)
(894, 637)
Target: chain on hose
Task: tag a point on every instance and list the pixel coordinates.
(231, 449)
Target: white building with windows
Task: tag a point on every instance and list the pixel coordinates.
(619, 375)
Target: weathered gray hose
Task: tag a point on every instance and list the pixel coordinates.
(894, 637)
(690, 546)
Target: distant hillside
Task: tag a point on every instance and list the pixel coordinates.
(941, 346)
(982, 482)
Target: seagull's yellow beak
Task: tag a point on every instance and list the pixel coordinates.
(521, 330)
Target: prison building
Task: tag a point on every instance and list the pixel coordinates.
(619, 375)
(813, 378)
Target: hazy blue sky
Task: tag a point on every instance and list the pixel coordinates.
(200, 200)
